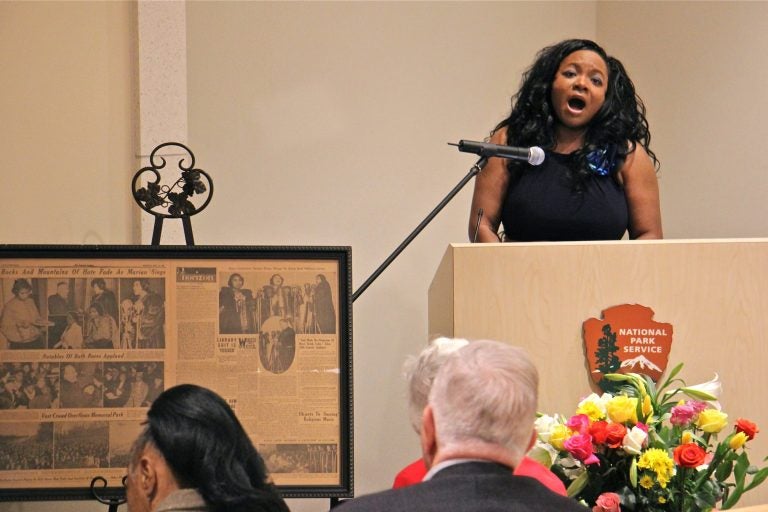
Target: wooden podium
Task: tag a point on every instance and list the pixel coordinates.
(537, 295)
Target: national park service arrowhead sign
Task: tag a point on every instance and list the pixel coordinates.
(627, 340)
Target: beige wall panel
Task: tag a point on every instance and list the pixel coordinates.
(700, 68)
(714, 293)
(68, 131)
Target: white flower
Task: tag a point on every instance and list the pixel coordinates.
(709, 391)
(543, 426)
(633, 441)
(599, 401)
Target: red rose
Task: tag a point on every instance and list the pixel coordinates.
(746, 426)
(689, 455)
(598, 432)
(616, 433)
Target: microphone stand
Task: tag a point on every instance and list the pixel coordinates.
(474, 171)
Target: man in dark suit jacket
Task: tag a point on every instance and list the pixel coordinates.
(477, 426)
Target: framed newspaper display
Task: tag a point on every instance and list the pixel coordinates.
(90, 335)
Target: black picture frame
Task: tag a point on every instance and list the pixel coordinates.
(40, 263)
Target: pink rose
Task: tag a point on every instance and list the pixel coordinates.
(698, 406)
(579, 423)
(580, 447)
(682, 415)
(607, 502)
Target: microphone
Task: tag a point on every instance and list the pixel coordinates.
(533, 155)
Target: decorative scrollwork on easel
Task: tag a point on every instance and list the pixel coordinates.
(168, 198)
(112, 502)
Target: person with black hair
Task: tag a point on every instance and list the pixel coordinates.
(236, 307)
(148, 315)
(194, 455)
(102, 328)
(104, 296)
(598, 179)
(325, 313)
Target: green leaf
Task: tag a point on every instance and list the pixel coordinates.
(540, 455)
(733, 498)
(578, 485)
(740, 471)
(649, 386)
(617, 377)
(759, 477)
(724, 470)
(695, 393)
(633, 473)
(671, 376)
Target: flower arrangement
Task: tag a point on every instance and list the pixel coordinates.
(647, 449)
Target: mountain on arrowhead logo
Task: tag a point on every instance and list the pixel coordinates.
(626, 340)
(640, 361)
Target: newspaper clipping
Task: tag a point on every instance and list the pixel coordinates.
(86, 347)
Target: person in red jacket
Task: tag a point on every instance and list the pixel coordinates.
(420, 372)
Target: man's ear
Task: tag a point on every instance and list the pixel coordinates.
(532, 441)
(428, 436)
(147, 476)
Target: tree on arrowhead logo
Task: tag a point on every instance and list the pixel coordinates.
(626, 340)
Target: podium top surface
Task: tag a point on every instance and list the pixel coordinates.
(668, 241)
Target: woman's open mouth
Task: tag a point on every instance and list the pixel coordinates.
(576, 104)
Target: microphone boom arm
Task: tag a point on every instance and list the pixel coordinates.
(471, 174)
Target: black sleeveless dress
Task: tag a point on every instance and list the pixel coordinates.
(543, 206)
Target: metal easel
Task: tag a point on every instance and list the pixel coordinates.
(169, 199)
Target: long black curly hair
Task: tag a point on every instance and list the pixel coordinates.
(617, 127)
(207, 449)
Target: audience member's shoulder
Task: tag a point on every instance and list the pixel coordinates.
(384, 500)
(539, 497)
(466, 494)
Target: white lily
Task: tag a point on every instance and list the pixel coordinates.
(709, 391)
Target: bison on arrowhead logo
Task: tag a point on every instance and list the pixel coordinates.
(627, 340)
